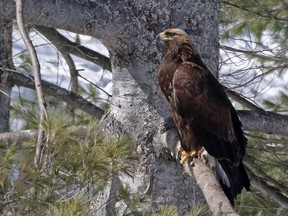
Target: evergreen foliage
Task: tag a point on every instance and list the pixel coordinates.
(199, 209)
(75, 169)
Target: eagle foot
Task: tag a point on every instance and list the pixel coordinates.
(185, 155)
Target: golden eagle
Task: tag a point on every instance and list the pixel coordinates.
(202, 112)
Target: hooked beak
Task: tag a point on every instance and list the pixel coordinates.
(163, 36)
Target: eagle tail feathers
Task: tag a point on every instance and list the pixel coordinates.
(233, 178)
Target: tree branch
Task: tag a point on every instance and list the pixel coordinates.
(70, 98)
(213, 193)
(74, 79)
(42, 138)
(254, 54)
(264, 121)
(66, 46)
(19, 137)
(85, 18)
(240, 99)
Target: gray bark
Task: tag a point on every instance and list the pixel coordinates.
(267, 122)
(5, 64)
(129, 30)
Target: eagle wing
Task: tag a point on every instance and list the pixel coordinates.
(202, 102)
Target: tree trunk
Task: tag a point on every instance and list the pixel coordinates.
(139, 109)
(6, 64)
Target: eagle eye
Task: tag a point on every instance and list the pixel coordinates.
(170, 34)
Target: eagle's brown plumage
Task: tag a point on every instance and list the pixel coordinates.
(202, 112)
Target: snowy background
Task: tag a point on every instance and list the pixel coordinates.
(54, 68)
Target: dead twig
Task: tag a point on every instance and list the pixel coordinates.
(41, 140)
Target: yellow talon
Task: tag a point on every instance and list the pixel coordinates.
(186, 155)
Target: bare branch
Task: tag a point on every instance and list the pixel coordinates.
(74, 78)
(213, 193)
(268, 122)
(70, 98)
(73, 73)
(254, 54)
(85, 18)
(98, 87)
(17, 137)
(42, 139)
(66, 46)
(240, 99)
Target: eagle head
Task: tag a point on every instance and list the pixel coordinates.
(174, 36)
